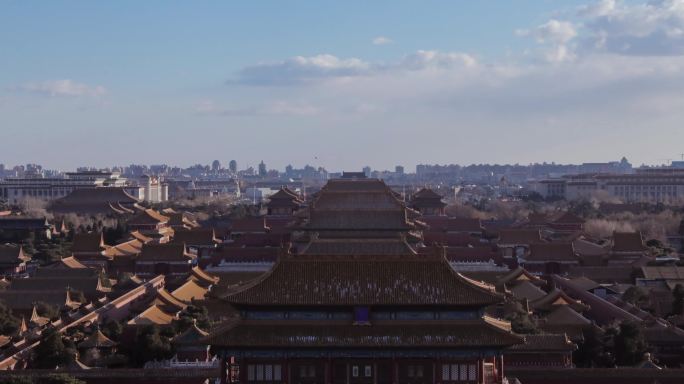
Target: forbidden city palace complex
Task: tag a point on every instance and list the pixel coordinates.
(352, 301)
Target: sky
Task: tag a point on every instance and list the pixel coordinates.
(341, 84)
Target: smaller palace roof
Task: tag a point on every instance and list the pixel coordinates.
(67, 263)
(519, 236)
(246, 254)
(197, 237)
(552, 252)
(12, 255)
(628, 242)
(285, 197)
(557, 298)
(426, 193)
(565, 315)
(663, 273)
(357, 205)
(168, 301)
(250, 225)
(191, 336)
(164, 252)
(425, 198)
(567, 218)
(37, 319)
(88, 242)
(518, 275)
(202, 277)
(95, 200)
(148, 217)
(128, 248)
(190, 291)
(97, 340)
(528, 291)
(153, 315)
(453, 224)
(545, 343)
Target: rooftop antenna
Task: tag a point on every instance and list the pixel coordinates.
(682, 155)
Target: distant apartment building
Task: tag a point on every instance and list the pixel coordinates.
(622, 166)
(645, 185)
(14, 190)
(153, 189)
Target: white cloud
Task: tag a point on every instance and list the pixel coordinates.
(600, 8)
(553, 31)
(274, 108)
(382, 40)
(64, 87)
(555, 35)
(584, 93)
(653, 28)
(427, 59)
(310, 70)
(301, 69)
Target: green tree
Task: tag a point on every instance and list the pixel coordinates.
(678, 300)
(47, 310)
(8, 323)
(51, 351)
(629, 344)
(113, 330)
(521, 322)
(636, 295)
(151, 343)
(193, 314)
(593, 351)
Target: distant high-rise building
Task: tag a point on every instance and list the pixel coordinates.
(367, 171)
(399, 169)
(262, 169)
(215, 165)
(233, 166)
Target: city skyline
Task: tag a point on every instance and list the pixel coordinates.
(224, 165)
(341, 85)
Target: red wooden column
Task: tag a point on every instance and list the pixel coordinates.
(328, 373)
(435, 365)
(395, 371)
(224, 369)
(286, 371)
(480, 371)
(243, 370)
(500, 361)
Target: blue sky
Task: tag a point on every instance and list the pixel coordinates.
(350, 83)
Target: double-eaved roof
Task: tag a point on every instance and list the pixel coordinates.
(357, 205)
(95, 200)
(418, 280)
(382, 334)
